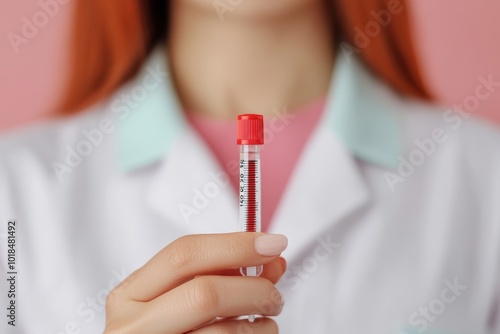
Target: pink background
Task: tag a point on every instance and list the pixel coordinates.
(458, 41)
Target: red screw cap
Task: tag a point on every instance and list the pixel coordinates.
(250, 129)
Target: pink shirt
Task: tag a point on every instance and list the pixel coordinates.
(284, 138)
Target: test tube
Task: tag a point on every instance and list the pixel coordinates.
(250, 138)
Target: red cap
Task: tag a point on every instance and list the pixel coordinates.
(250, 129)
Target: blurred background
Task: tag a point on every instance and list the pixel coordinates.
(456, 41)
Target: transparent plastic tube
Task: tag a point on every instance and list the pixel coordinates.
(249, 196)
(250, 138)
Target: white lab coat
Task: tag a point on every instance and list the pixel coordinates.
(368, 253)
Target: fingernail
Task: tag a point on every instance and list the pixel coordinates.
(271, 244)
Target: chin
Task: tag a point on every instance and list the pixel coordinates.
(251, 9)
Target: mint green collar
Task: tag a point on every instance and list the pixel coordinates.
(365, 114)
(360, 110)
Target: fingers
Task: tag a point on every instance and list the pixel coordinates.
(274, 270)
(195, 255)
(205, 298)
(259, 326)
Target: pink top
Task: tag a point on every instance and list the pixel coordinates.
(284, 140)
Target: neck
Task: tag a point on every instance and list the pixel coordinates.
(249, 65)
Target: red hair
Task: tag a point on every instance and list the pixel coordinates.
(111, 40)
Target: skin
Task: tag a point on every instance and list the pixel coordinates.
(263, 55)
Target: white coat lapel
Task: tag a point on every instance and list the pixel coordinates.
(191, 190)
(325, 188)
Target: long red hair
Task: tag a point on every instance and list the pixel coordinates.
(111, 40)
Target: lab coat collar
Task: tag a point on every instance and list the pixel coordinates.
(360, 110)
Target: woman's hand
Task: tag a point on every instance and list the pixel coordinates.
(194, 284)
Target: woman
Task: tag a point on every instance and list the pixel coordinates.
(390, 207)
